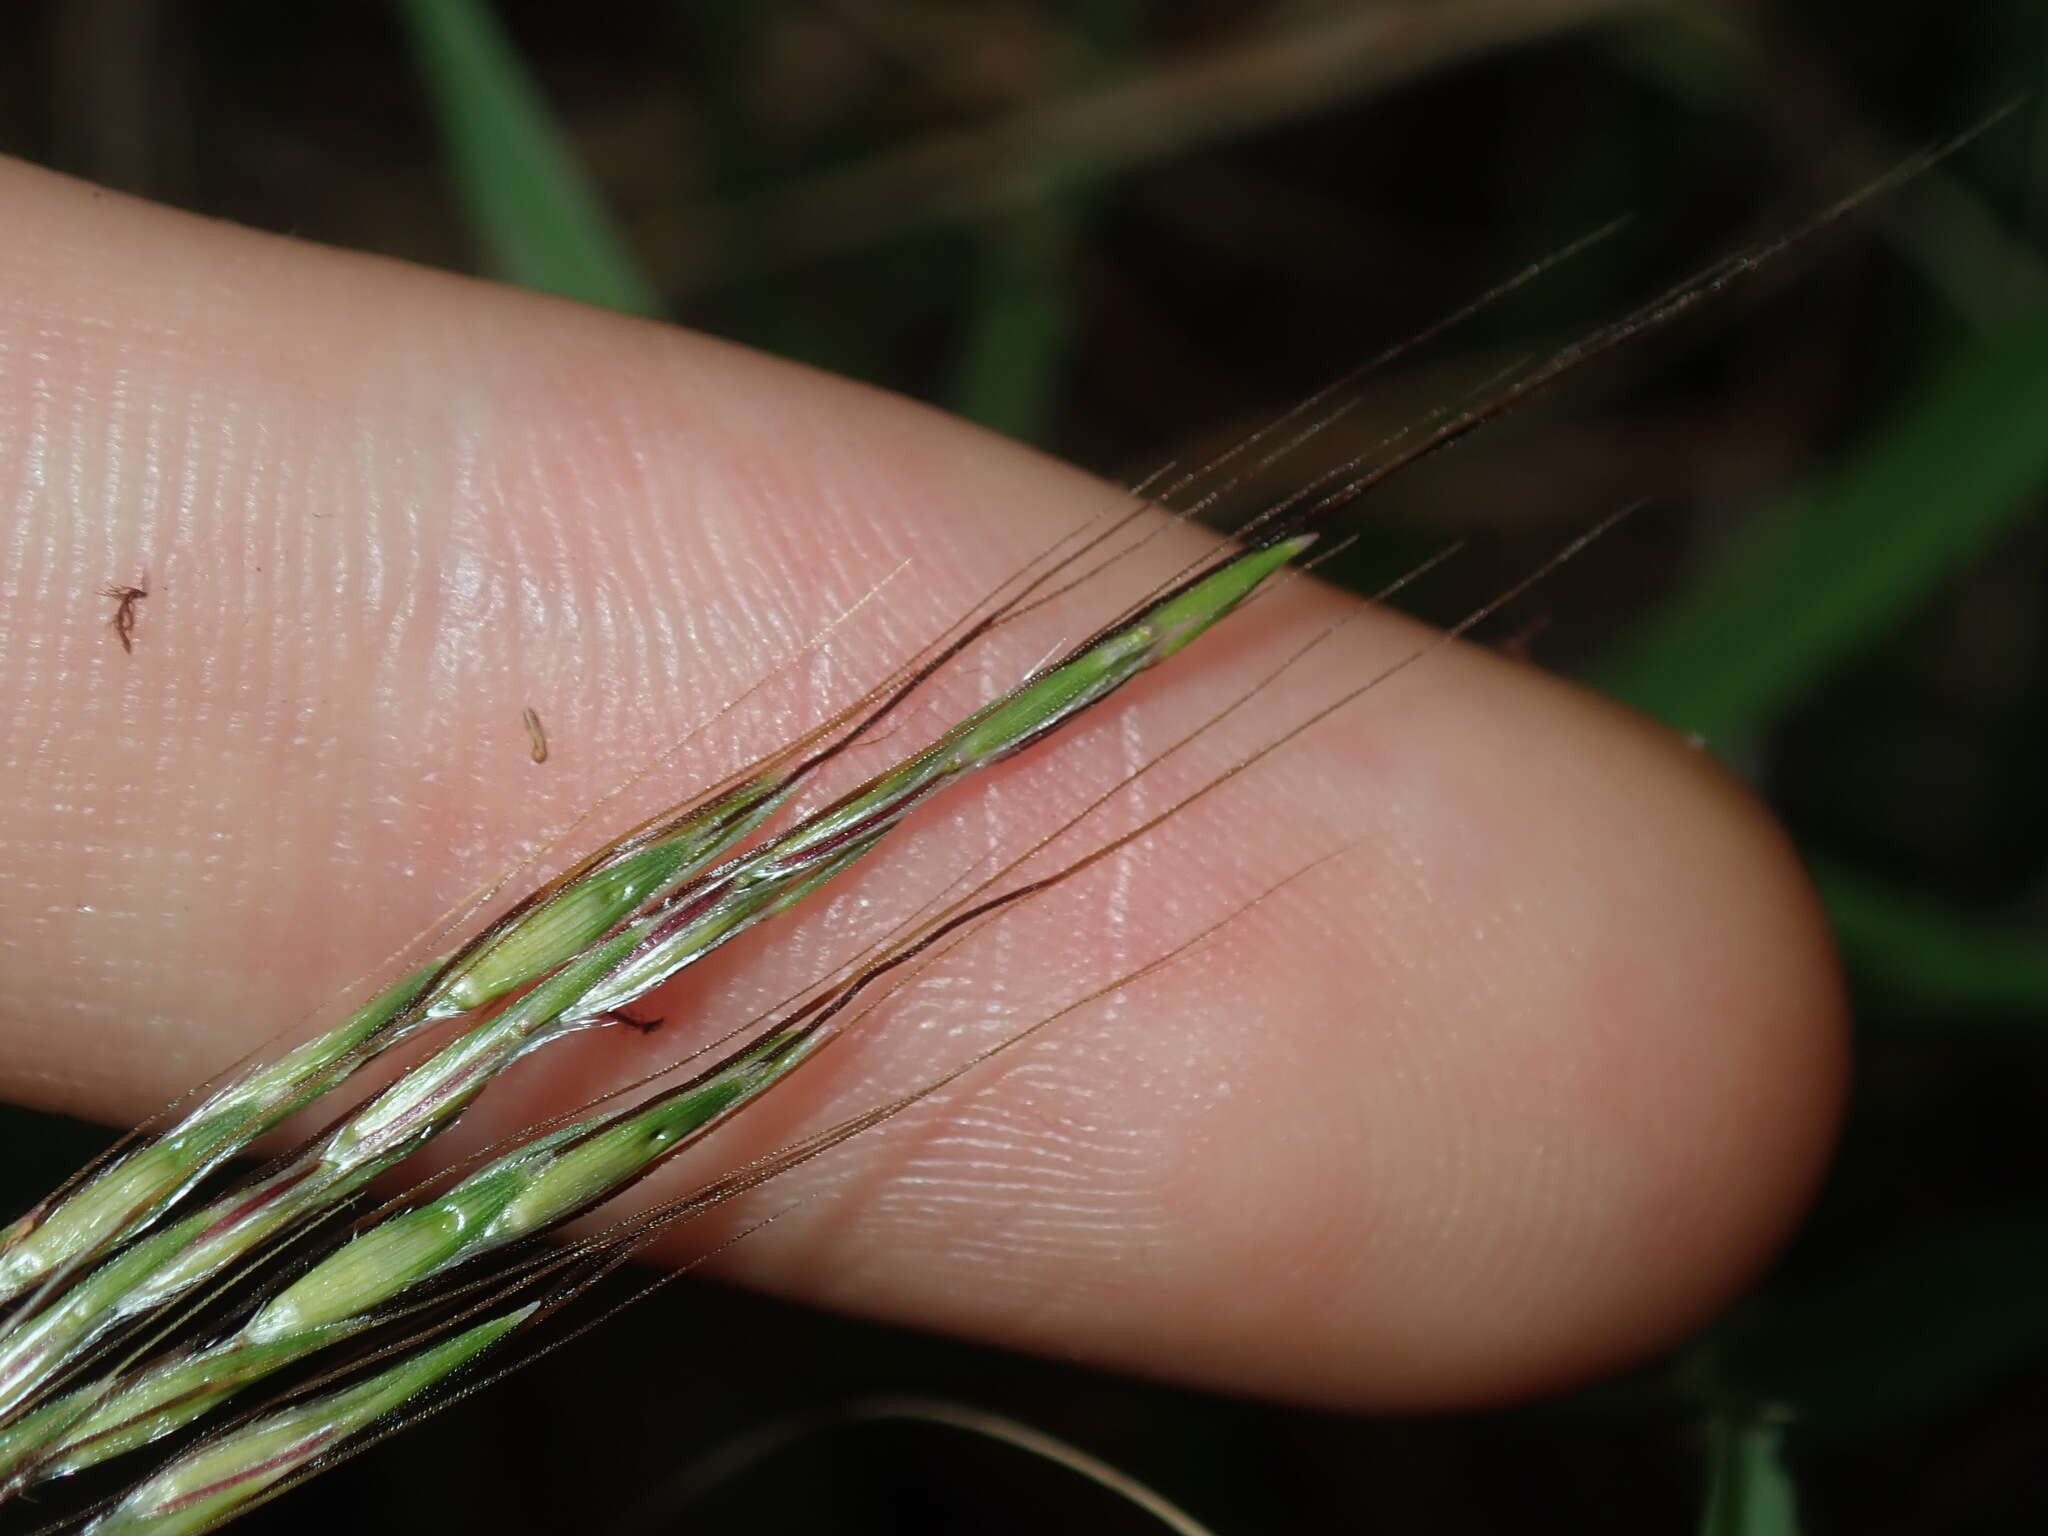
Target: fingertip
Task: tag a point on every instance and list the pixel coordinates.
(1654, 1085)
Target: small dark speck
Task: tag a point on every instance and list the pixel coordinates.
(125, 598)
(536, 733)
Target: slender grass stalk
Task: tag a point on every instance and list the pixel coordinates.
(745, 1452)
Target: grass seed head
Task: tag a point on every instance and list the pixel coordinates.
(221, 1477)
(581, 954)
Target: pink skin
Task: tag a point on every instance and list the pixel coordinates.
(1523, 1083)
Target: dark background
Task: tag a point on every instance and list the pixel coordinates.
(1839, 583)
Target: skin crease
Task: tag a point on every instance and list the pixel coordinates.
(1524, 1080)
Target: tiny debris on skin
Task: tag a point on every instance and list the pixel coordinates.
(536, 733)
(123, 621)
(643, 1026)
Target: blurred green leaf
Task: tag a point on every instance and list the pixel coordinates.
(1899, 1336)
(1798, 594)
(1901, 941)
(541, 221)
(1021, 322)
(1749, 1492)
(1709, 59)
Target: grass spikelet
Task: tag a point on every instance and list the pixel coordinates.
(222, 1477)
(708, 912)
(126, 1194)
(529, 1191)
(526, 944)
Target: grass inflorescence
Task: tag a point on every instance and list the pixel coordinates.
(102, 1276)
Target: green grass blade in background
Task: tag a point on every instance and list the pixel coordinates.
(1803, 591)
(1719, 66)
(1904, 942)
(1021, 322)
(1748, 1490)
(1022, 302)
(1899, 1337)
(539, 219)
